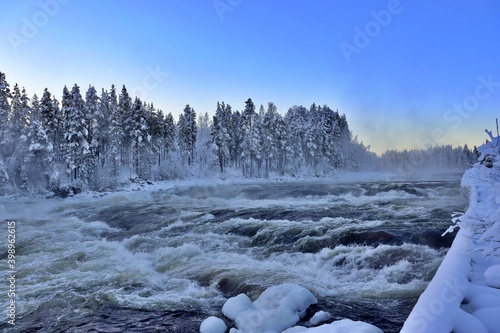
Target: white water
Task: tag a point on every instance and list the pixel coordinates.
(189, 248)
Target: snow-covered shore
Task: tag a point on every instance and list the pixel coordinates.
(464, 295)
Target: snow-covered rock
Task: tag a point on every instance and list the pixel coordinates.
(236, 305)
(279, 308)
(319, 317)
(489, 317)
(213, 325)
(340, 326)
(276, 309)
(492, 276)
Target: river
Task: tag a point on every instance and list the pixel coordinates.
(162, 260)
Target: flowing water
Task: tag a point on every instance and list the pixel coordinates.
(162, 260)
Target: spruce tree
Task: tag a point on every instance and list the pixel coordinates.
(76, 133)
(138, 134)
(125, 111)
(115, 137)
(248, 153)
(170, 134)
(4, 113)
(187, 134)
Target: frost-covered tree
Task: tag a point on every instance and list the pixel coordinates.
(91, 117)
(115, 135)
(236, 133)
(16, 129)
(18, 119)
(295, 150)
(102, 126)
(269, 136)
(157, 130)
(169, 141)
(38, 160)
(187, 134)
(249, 137)
(125, 110)
(76, 133)
(48, 116)
(4, 112)
(139, 135)
(204, 141)
(221, 134)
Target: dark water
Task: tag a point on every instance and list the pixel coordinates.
(164, 260)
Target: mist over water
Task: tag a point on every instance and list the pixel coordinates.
(163, 260)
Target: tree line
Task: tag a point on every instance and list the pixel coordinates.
(101, 140)
(97, 141)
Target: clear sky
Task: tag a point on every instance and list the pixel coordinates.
(406, 73)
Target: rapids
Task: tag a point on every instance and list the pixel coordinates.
(165, 259)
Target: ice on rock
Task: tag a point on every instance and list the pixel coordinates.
(276, 309)
(287, 296)
(320, 317)
(236, 305)
(213, 325)
(492, 276)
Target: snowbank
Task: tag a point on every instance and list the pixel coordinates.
(277, 310)
(463, 296)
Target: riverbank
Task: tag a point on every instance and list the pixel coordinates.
(464, 295)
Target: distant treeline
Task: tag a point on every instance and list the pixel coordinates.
(445, 158)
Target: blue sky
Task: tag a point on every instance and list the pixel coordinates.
(407, 74)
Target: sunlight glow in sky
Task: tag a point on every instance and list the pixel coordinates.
(407, 74)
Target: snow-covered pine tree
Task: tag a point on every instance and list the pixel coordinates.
(170, 134)
(187, 134)
(58, 139)
(125, 110)
(203, 141)
(345, 142)
(17, 129)
(90, 156)
(102, 127)
(220, 134)
(158, 136)
(4, 113)
(269, 136)
(314, 137)
(76, 133)
(38, 160)
(114, 137)
(18, 119)
(293, 135)
(284, 157)
(48, 115)
(149, 150)
(331, 139)
(256, 142)
(236, 133)
(139, 135)
(248, 121)
(63, 126)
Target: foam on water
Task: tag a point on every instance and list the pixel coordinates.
(185, 249)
